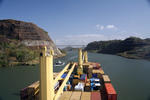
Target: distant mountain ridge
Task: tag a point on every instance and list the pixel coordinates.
(131, 47)
(27, 33)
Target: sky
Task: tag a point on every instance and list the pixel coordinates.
(78, 22)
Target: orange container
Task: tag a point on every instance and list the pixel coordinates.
(111, 93)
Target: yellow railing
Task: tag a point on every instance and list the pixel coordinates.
(64, 83)
(61, 73)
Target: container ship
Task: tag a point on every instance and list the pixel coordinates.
(82, 80)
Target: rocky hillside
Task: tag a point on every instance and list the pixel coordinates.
(131, 47)
(26, 33)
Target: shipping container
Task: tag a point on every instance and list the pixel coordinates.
(90, 69)
(97, 72)
(87, 87)
(83, 77)
(89, 75)
(75, 81)
(76, 76)
(106, 79)
(86, 96)
(95, 96)
(99, 76)
(94, 75)
(101, 71)
(75, 96)
(79, 87)
(88, 81)
(110, 91)
(85, 68)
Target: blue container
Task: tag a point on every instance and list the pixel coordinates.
(94, 75)
(83, 77)
(64, 76)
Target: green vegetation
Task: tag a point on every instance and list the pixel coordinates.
(131, 47)
(15, 53)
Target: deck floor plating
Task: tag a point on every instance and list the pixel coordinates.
(75, 95)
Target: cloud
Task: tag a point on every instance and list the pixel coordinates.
(99, 27)
(80, 39)
(111, 27)
(84, 39)
(108, 27)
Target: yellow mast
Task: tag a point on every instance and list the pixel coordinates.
(80, 62)
(46, 75)
(85, 57)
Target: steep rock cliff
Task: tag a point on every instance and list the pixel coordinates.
(27, 33)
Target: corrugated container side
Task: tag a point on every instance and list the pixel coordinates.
(75, 81)
(86, 96)
(89, 75)
(95, 96)
(87, 87)
(110, 91)
(94, 75)
(112, 97)
(106, 79)
(101, 71)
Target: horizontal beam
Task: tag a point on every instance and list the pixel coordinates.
(61, 73)
(64, 83)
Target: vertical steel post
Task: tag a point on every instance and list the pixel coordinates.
(80, 62)
(46, 76)
(85, 57)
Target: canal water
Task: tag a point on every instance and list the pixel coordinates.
(130, 77)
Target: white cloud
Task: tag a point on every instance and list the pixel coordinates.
(84, 39)
(108, 27)
(80, 39)
(111, 27)
(99, 27)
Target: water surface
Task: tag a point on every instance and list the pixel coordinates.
(130, 77)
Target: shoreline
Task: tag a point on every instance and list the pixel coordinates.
(30, 63)
(125, 56)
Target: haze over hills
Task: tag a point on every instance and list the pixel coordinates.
(131, 47)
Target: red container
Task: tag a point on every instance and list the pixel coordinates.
(95, 96)
(111, 93)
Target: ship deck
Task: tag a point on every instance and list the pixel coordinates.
(92, 72)
(75, 95)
